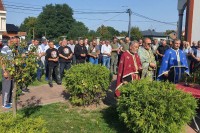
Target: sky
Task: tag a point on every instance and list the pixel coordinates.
(159, 10)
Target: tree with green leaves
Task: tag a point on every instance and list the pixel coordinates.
(21, 68)
(28, 26)
(136, 33)
(54, 21)
(124, 33)
(167, 32)
(107, 32)
(92, 35)
(78, 29)
(113, 31)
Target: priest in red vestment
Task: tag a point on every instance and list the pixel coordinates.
(129, 66)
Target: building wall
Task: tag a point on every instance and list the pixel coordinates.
(193, 21)
(160, 38)
(2, 22)
(196, 21)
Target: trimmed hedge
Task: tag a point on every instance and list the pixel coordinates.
(155, 107)
(194, 77)
(20, 124)
(87, 83)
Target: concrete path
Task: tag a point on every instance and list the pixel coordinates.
(40, 95)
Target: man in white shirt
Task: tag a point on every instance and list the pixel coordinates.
(30, 45)
(106, 52)
(72, 46)
(43, 48)
(86, 43)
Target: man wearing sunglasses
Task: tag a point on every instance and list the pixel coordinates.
(147, 59)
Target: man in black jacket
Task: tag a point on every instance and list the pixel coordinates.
(80, 52)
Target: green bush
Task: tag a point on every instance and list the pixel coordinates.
(193, 78)
(87, 83)
(20, 124)
(155, 107)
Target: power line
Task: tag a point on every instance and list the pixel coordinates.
(81, 12)
(107, 20)
(26, 7)
(112, 20)
(5, 1)
(142, 16)
(78, 11)
(22, 12)
(96, 10)
(40, 7)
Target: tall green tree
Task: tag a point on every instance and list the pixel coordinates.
(92, 35)
(107, 32)
(136, 33)
(54, 21)
(28, 26)
(78, 29)
(113, 31)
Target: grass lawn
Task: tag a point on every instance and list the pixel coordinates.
(61, 119)
(37, 83)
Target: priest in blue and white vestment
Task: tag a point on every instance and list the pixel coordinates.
(174, 64)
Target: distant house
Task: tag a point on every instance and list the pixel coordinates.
(2, 19)
(172, 36)
(152, 34)
(11, 31)
(120, 37)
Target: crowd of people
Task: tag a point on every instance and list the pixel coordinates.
(171, 59)
(129, 60)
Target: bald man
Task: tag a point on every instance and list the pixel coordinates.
(129, 66)
(147, 59)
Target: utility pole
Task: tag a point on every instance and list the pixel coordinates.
(180, 23)
(129, 25)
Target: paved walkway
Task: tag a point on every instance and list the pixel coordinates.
(40, 95)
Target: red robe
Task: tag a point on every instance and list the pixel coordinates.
(129, 65)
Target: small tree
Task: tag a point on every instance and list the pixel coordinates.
(21, 68)
(107, 32)
(136, 33)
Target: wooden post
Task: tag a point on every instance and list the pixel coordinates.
(14, 99)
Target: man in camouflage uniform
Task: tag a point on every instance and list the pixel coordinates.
(125, 46)
(114, 56)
